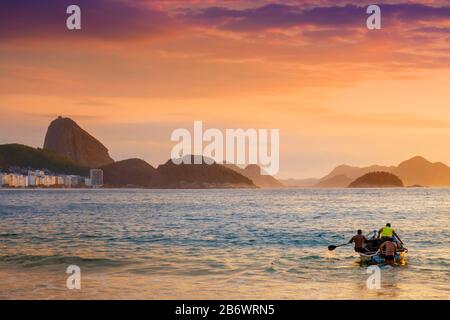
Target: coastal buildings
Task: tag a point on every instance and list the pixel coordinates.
(72, 181)
(96, 178)
(21, 178)
(14, 180)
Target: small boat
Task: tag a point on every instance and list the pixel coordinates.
(372, 254)
(378, 258)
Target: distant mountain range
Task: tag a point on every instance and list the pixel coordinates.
(138, 173)
(255, 173)
(415, 171)
(419, 171)
(68, 149)
(335, 181)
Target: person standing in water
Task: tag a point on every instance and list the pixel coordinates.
(388, 249)
(359, 240)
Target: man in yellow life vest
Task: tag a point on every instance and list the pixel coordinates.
(388, 233)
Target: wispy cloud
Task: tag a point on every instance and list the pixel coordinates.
(191, 48)
(278, 15)
(102, 19)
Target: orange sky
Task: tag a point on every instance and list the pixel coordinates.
(338, 92)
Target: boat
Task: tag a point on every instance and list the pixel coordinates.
(377, 257)
(372, 254)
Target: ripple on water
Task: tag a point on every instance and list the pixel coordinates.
(224, 244)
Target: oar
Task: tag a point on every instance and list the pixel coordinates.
(331, 248)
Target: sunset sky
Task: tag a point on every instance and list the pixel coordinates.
(338, 92)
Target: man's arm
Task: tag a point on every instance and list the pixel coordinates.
(396, 235)
(352, 239)
(379, 232)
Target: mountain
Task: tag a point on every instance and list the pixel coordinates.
(128, 173)
(419, 171)
(193, 176)
(415, 171)
(337, 181)
(342, 175)
(355, 172)
(66, 138)
(377, 180)
(299, 183)
(17, 155)
(253, 172)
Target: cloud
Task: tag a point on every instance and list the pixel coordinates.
(436, 30)
(104, 19)
(213, 48)
(121, 20)
(278, 15)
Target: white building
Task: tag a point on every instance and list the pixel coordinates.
(60, 180)
(31, 179)
(15, 180)
(96, 178)
(71, 181)
(39, 173)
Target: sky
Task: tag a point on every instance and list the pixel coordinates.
(137, 70)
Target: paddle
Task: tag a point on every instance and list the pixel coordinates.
(331, 248)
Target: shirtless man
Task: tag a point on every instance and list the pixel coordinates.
(388, 248)
(359, 241)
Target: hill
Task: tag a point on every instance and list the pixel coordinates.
(415, 171)
(253, 172)
(377, 180)
(337, 181)
(17, 155)
(355, 172)
(419, 171)
(128, 173)
(192, 176)
(66, 138)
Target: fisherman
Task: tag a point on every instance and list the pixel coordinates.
(387, 233)
(359, 240)
(388, 249)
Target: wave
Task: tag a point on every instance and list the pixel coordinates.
(8, 235)
(54, 260)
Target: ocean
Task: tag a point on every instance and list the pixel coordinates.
(219, 244)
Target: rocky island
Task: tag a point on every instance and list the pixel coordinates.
(377, 179)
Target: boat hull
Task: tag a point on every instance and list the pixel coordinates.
(374, 258)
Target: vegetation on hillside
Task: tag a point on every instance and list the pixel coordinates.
(18, 155)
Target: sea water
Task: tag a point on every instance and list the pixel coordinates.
(218, 244)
